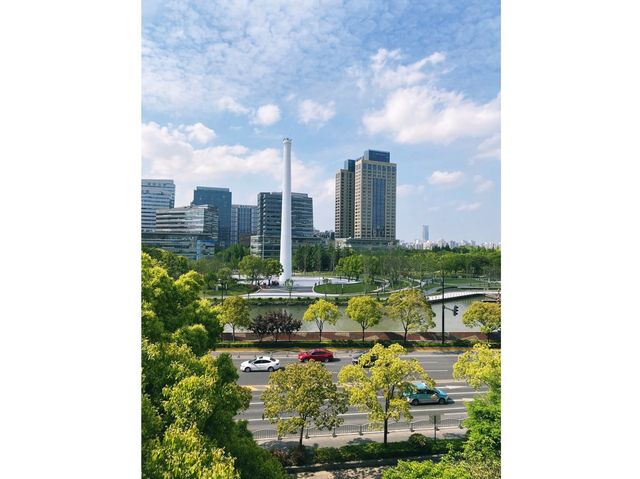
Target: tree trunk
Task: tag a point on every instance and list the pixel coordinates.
(320, 329)
(386, 429)
(363, 334)
(405, 334)
(301, 432)
(233, 332)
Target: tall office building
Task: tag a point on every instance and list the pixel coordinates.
(374, 200)
(221, 199)
(345, 194)
(266, 242)
(425, 232)
(190, 231)
(156, 194)
(242, 227)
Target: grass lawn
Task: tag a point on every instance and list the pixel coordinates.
(234, 290)
(351, 288)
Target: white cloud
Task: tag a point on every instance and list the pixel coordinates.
(312, 112)
(227, 103)
(489, 148)
(469, 206)
(407, 190)
(445, 177)
(388, 77)
(267, 115)
(199, 133)
(482, 185)
(423, 114)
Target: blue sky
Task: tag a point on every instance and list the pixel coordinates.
(224, 82)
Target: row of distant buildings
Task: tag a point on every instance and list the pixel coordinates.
(365, 214)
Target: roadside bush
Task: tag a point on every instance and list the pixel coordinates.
(293, 456)
(419, 440)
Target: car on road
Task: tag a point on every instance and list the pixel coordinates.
(321, 355)
(261, 363)
(355, 359)
(426, 395)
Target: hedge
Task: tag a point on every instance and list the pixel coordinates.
(341, 343)
(418, 444)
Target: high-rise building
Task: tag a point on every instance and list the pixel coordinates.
(266, 242)
(374, 200)
(425, 232)
(242, 227)
(156, 194)
(345, 194)
(221, 199)
(190, 231)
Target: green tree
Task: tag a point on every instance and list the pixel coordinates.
(272, 267)
(479, 366)
(224, 279)
(251, 267)
(194, 336)
(233, 255)
(364, 310)
(412, 310)
(186, 454)
(350, 266)
(288, 284)
(301, 395)
(235, 312)
(322, 311)
(485, 315)
(389, 377)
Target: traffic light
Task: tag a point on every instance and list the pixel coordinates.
(455, 310)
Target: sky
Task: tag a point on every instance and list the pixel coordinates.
(224, 82)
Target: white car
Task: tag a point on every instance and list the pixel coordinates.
(261, 363)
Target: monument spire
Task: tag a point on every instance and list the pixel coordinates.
(285, 224)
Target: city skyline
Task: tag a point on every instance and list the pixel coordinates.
(223, 85)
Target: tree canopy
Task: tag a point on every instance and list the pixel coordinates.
(301, 395)
(389, 376)
(485, 315)
(364, 310)
(235, 312)
(412, 310)
(322, 311)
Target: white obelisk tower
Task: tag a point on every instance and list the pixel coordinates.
(285, 230)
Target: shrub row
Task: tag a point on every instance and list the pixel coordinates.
(418, 444)
(340, 343)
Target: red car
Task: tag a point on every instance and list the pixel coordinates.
(316, 355)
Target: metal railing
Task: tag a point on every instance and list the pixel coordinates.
(361, 429)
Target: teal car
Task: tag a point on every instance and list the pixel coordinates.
(426, 395)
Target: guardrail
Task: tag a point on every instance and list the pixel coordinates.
(361, 429)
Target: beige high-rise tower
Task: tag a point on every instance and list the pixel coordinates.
(366, 198)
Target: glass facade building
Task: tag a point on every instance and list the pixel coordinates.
(156, 194)
(242, 223)
(221, 199)
(266, 241)
(366, 198)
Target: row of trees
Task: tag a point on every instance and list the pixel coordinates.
(189, 399)
(409, 307)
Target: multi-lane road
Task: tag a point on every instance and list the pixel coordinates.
(438, 365)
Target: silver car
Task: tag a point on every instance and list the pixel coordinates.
(261, 363)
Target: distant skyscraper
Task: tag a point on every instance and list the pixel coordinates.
(242, 227)
(425, 232)
(345, 194)
(156, 194)
(374, 198)
(221, 199)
